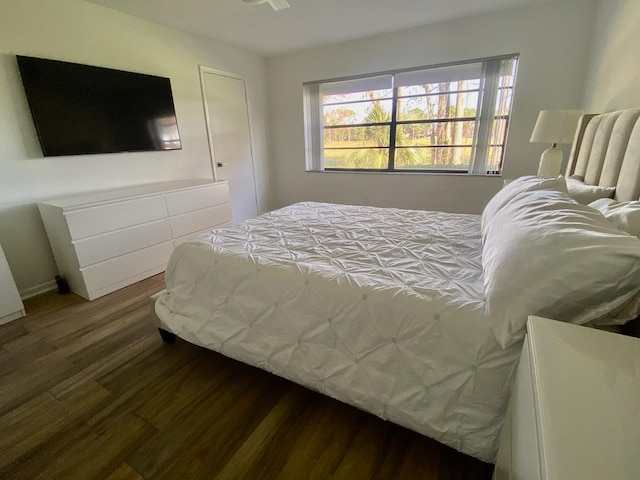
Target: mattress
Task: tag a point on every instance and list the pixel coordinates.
(379, 308)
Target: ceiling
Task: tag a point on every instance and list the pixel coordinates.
(308, 23)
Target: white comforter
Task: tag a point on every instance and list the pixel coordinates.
(379, 308)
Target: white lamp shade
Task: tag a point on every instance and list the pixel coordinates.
(556, 126)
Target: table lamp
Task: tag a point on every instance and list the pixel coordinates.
(554, 127)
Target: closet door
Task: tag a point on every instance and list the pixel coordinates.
(227, 114)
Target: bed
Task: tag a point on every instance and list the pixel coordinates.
(415, 316)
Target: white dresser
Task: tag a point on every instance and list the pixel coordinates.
(106, 240)
(11, 306)
(575, 407)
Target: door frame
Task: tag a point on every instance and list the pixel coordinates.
(214, 169)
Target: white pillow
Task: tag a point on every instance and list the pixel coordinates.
(515, 187)
(624, 215)
(585, 194)
(546, 254)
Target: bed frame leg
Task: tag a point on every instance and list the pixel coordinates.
(167, 337)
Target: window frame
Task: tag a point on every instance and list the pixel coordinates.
(485, 120)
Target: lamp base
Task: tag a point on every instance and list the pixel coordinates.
(550, 162)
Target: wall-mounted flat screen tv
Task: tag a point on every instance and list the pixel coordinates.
(81, 109)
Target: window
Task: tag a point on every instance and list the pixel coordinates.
(447, 118)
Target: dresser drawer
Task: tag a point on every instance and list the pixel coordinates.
(201, 220)
(120, 268)
(105, 218)
(113, 244)
(197, 198)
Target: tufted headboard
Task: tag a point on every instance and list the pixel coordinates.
(606, 152)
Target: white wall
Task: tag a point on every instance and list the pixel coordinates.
(77, 31)
(553, 41)
(614, 70)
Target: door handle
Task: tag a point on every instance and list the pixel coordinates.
(220, 164)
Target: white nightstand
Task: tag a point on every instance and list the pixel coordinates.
(11, 306)
(575, 406)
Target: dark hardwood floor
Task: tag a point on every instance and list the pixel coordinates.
(88, 390)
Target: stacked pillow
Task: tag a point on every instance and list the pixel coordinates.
(545, 254)
(624, 215)
(514, 188)
(585, 194)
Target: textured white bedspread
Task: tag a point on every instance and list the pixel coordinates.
(379, 308)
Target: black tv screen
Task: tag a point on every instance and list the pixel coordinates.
(81, 109)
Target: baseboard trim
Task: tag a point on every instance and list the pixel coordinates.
(38, 289)
(12, 316)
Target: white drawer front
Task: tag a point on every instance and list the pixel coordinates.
(200, 220)
(105, 218)
(103, 247)
(117, 269)
(197, 198)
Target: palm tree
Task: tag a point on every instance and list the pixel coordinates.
(407, 157)
(376, 138)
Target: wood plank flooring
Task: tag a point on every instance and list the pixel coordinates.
(89, 391)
